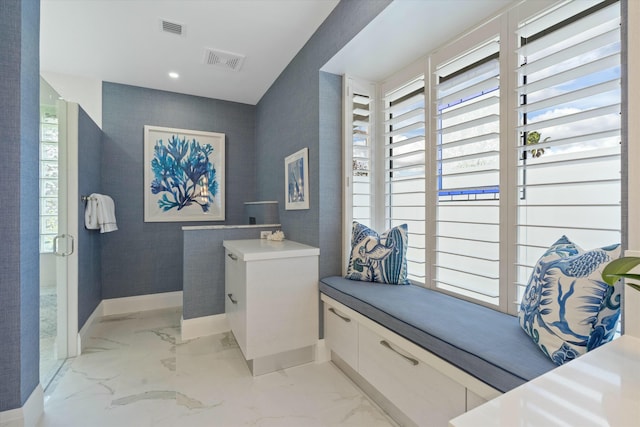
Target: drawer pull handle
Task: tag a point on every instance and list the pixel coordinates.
(346, 319)
(233, 257)
(231, 298)
(411, 360)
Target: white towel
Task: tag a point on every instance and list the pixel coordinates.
(91, 214)
(100, 213)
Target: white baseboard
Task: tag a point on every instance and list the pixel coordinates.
(203, 326)
(141, 303)
(85, 332)
(29, 413)
(323, 353)
(115, 306)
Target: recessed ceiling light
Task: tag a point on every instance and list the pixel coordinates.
(174, 75)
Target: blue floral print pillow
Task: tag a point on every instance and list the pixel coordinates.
(567, 309)
(378, 258)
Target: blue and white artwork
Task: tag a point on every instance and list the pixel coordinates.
(184, 175)
(297, 180)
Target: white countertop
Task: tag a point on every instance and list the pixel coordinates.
(601, 388)
(258, 249)
(225, 227)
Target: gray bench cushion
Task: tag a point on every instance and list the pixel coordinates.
(483, 342)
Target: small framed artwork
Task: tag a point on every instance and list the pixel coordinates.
(296, 180)
(183, 175)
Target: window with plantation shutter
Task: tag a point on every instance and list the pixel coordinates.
(467, 167)
(569, 127)
(361, 160)
(404, 127)
(358, 155)
(518, 144)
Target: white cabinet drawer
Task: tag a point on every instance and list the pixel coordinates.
(235, 302)
(341, 334)
(425, 395)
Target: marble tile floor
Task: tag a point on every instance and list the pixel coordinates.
(137, 372)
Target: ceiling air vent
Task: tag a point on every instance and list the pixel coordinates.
(222, 59)
(171, 27)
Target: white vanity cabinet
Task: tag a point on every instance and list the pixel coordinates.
(272, 301)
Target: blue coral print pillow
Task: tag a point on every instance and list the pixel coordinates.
(566, 308)
(378, 258)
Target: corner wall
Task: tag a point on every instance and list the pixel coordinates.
(19, 262)
(145, 258)
(89, 254)
(299, 110)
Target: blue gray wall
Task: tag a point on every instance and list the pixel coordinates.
(145, 258)
(19, 261)
(300, 110)
(330, 166)
(88, 241)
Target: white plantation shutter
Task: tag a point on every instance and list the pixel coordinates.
(405, 168)
(467, 168)
(361, 170)
(569, 114)
(522, 146)
(358, 154)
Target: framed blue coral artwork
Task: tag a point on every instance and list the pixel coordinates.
(183, 175)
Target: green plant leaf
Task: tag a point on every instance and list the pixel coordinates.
(619, 268)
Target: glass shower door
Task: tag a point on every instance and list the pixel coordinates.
(55, 245)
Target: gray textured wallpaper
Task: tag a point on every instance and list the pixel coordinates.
(19, 263)
(301, 109)
(145, 258)
(88, 241)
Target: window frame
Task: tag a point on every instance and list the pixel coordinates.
(351, 86)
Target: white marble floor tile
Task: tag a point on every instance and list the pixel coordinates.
(137, 372)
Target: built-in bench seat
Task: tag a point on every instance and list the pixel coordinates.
(485, 343)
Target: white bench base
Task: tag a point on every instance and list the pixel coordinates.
(411, 384)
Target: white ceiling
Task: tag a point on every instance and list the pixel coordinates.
(121, 42)
(407, 30)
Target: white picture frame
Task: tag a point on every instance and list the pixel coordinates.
(173, 159)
